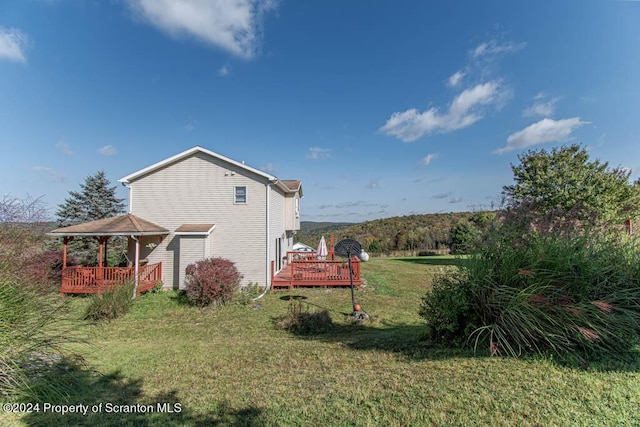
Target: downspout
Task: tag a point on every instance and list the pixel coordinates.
(268, 244)
(137, 251)
(128, 185)
(135, 268)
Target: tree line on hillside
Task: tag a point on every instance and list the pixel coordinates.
(550, 189)
(458, 232)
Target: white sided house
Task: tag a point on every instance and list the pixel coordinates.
(214, 206)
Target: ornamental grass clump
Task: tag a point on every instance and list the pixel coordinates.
(35, 324)
(111, 304)
(212, 281)
(543, 293)
(299, 320)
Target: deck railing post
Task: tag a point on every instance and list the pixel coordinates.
(273, 270)
(293, 273)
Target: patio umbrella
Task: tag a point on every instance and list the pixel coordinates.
(322, 251)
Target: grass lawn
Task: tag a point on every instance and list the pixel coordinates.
(232, 366)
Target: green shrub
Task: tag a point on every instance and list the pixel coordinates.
(301, 321)
(111, 304)
(247, 294)
(543, 293)
(465, 238)
(212, 281)
(447, 308)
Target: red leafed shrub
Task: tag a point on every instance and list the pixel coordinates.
(212, 281)
(45, 268)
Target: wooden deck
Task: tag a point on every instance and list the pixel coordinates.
(303, 270)
(94, 280)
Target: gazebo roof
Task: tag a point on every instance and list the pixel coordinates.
(123, 225)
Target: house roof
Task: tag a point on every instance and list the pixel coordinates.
(123, 225)
(187, 153)
(195, 229)
(293, 185)
(197, 149)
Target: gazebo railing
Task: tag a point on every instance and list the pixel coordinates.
(82, 280)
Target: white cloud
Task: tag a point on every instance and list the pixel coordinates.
(108, 150)
(441, 195)
(270, 168)
(494, 47)
(350, 204)
(485, 88)
(455, 200)
(50, 173)
(464, 110)
(64, 147)
(456, 78)
(541, 107)
(317, 153)
(373, 184)
(427, 160)
(224, 71)
(12, 44)
(234, 25)
(546, 130)
(190, 125)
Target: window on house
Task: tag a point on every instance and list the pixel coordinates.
(297, 208)
(240, 195)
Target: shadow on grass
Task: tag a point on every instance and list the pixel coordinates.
(433, 261)
(403, 339)
(293, 297)
(113, 399)
(180, 298)
(368, 335)
(409, 340)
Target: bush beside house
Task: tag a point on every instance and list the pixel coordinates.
(212, 281)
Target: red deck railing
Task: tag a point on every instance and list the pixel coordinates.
(88, 280)
(303, 269)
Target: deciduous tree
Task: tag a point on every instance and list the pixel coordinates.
(564, 184)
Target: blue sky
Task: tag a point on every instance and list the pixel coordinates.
(381, 108)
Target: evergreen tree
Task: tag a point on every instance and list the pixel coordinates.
(465, 238)
(375, 247)
(96, 200)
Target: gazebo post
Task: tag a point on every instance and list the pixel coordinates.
(106, 252)
(99, 252)
(65, 242)
(136, 267)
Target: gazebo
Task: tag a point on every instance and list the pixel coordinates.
(83, 280)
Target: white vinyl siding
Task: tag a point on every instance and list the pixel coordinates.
(277, 225)
(292, 211)
(191, 250)
(196, 190)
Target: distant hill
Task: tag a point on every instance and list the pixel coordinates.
(311, 227)
(412, 232)
(40, 227)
